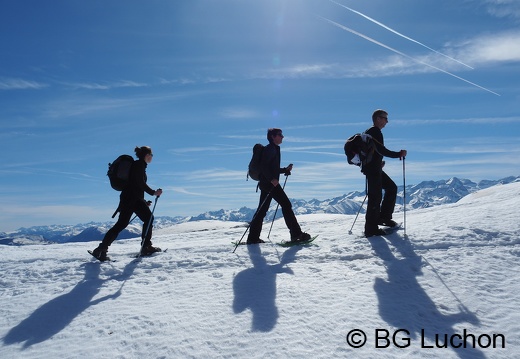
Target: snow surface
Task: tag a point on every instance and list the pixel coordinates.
(455, 273)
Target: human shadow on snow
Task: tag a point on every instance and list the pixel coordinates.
(404, 304)
(55, 315)
(255, 288)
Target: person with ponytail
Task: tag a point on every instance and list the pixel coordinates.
(132, 201)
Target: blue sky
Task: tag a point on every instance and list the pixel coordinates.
(201, 81)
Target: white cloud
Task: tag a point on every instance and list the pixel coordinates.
(238, 113)
(108, 86)
(492, 48)
(19, 84)
(504, 8)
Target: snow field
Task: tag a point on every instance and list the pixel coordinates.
(457, 272)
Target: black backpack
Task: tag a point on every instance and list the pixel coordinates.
(119, 172)
(359, 149)
(253, 169)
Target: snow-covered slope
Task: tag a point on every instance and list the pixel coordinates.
(455, 277)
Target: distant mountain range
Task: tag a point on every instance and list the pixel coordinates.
(424, 194)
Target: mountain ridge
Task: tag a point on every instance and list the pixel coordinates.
(422, 195)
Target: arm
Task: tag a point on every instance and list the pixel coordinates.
(377, 137)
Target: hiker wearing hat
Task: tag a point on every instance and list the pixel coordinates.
(379, 213)
(270, 188)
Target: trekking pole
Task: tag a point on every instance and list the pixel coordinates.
(359, 210)
(148, 227)
(277, 205)
(404, 197)
(257, 210)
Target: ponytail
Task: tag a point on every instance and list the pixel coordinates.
(142, 151)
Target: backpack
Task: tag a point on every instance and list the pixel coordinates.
(119, 171)
(359, 149)
(253, 169)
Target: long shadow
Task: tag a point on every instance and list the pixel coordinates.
(55, 315)
(404, 304)
(255, 288)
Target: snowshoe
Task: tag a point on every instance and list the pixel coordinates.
(149, 250)
(100, 254)
(388, 223)
(296, 243)
(302, 237)
(377, 232)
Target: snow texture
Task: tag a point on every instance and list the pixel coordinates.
(451, 278)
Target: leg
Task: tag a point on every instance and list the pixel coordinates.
(124, 218)
(374, 202)
(143, 212)
(255, 228)
(122, 222)
(388, 205)
(288, 214)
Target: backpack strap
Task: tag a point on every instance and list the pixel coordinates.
(117, 210)
(373, 139)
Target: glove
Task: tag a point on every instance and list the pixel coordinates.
(288, 169)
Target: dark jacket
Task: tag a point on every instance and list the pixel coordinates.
(136, 186)
(270, 164)
(376, 164)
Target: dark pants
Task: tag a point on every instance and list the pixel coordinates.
(278, 194)
(141, 209)
(377, 211)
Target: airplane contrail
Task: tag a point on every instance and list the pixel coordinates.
(405, 55)
(399, 34)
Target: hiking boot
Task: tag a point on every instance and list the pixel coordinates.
(302, 237)
(256, 241)
(388, 223)
(377, 232)
(149, 250)
(101, 254)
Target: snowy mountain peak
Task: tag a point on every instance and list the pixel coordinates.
(423, 195)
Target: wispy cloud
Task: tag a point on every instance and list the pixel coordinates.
(215, 174)
(405, 55)
(215, 149)
(454, 121)
(19, 84)
(400, 34)
(303, 70)
(181, 81)
(477, 146)
(239, 113)
(203, 149)
(498, 47)
(82, 105)
(503, 8)
(107, 86)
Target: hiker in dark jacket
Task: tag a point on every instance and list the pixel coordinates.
(132, 201)
(379, 213)
(270, 188)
